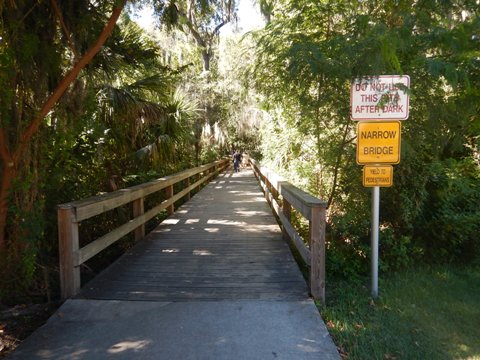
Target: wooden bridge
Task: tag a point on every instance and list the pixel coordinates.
(224, 243)
(215, 280)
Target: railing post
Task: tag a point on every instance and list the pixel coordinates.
(139, 209)
(274, 191)
(169, 194)
(317, 248)
(268, 191)
(287, 211)
(68, 246)
(188, 185)
(310, 227)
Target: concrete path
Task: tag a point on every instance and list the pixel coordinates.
(215, 281)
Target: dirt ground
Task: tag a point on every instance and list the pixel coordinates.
(17, 322)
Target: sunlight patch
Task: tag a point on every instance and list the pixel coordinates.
(79, 354)
(128, 345)
(226, 222)
(192, 221)
(251, 213)
(171, 221)
(202, 253)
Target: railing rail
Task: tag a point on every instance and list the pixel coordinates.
(72, 213)
(313, 209)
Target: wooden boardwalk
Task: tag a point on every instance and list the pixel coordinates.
(215, 281)
(223, 244)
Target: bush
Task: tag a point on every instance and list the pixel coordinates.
(396, 252)
(348, 248)
(450, 222)
(430, 215)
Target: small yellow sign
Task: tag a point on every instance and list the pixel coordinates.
(378, 176)
(378, 142)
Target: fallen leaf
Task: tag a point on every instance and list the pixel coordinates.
(330, 324)
(342, 352)
(388, 356)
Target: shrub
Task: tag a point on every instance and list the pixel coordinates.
(450, 222)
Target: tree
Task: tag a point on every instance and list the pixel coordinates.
(203, 20)
(14, 145)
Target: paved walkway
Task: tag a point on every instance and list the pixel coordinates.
(214, 281)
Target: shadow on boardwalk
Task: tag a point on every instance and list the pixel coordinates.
(213, 281)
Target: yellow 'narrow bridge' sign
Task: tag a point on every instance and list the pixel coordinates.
(378, 142)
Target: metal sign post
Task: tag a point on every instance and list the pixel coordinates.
(374, 245)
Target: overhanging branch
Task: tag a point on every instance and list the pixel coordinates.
(58, 12)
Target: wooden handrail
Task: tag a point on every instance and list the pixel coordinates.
(312, 208)
(72, 213)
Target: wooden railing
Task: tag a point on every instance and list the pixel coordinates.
(312, 209)
(71, 214)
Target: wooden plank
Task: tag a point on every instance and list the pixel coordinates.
(138, 210)
(297, 240)
(287, 213)
(317, 269)
(68, 245)
(99, 204)
(301, 200)
(146, 274)
(187, 180)
(219, 294)
(168, 195)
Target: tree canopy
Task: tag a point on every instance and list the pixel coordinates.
(307, 57)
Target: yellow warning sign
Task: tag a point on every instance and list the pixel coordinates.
(378, 142)
(378, 175)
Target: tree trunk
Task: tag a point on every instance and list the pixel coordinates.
(207, 55)
(197, 153)
(8, 174)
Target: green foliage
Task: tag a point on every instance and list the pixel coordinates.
(21, 264)
(396, 252)
(306, 58)
(348, 250)
(450, 222)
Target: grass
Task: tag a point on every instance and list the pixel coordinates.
(427, 313)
